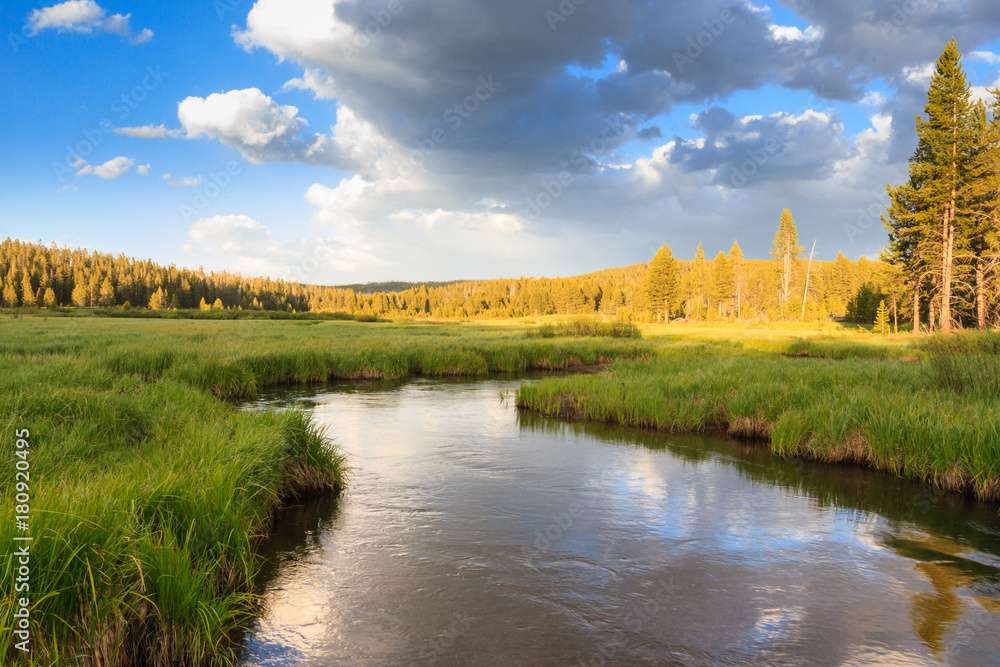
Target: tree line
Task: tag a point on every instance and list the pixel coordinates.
(789, 285)
(938, 272)
(944, 221)
(728, 286)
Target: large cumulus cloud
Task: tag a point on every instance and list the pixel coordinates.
(516, 123)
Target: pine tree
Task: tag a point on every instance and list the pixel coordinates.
(27, 290)
(723, 282)
(947, 134)
(739, 279)
(982, 197)
(698, 287)
(49, 299)
(882, 319)
(9, 295)
(79, 295)
(106, 295)
(786, 250)
(157, 299)
(660, 285)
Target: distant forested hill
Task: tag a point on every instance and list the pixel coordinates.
(725, 287)
(394, 286)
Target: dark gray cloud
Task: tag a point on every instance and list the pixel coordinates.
(650, 133)
(514, 115)
(403, 65)
(880, 37)
(745, 151)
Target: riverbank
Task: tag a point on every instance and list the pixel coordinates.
(150, 490)
(922, 409)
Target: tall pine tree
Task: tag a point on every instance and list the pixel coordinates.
(786, 251)
(947, 134)
(660, 285)
(982, 198)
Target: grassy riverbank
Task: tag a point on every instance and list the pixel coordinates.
(150, 489)
(928, 410)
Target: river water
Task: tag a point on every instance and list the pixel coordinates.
(475, 535)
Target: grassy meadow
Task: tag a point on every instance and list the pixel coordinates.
(150, 489)
(922, 408)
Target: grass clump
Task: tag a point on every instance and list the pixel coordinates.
(966, 363)
(586, 328)
(935, 419)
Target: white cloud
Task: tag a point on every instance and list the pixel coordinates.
(986, 56)
(149, 132)
(109, 171)
(182, 181)
(238, 241)
(236, 233)
(448, 220)
(870, 147)
(143, 169)
(255, 125)
(919, 74)
(83, 16)
(245, 119)
(790, 33)
(873, 98)
(985, 93)
(321, 85)
(73, 15)
(144, 36)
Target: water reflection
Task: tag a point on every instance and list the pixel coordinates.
(472, 534)
(909, 508)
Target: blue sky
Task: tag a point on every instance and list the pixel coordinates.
(69, 86)
(325, 193)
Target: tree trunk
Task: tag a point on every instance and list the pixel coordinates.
(948, 246)
(895, 317)
(786, 275)
(980, 295)
(805, 292)
(916, 310)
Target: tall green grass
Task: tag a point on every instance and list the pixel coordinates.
(150, 488)
(968, 363)
(936, 420)
(587, 328)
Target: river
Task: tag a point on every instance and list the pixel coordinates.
(472, 534)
